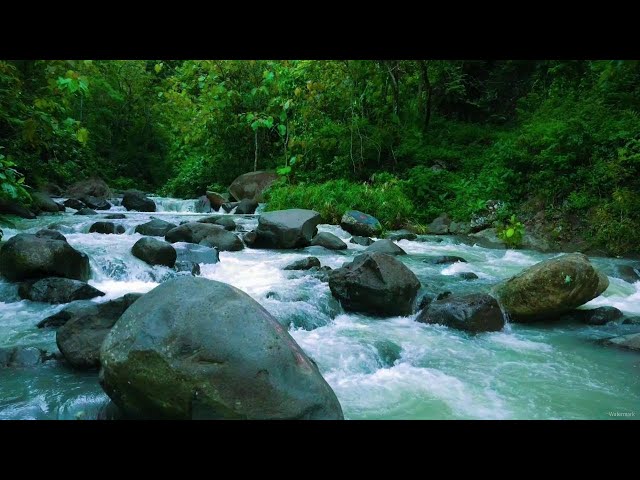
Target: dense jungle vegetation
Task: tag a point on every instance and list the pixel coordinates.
(557, 141)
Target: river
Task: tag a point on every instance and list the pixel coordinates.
(549, 371)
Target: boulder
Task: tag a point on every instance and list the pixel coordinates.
(440, 226)
(488, 238)
(304, 264)
(187, 267)
(205, 234)
(631, 321)
(137, 200)
(229, 206)
(222, 220)
(361, 224)
(401, 235)
(246, 207)
(364, 241)
(52, 189)
(190, 252)
(388, 352)
(94, 187)
(155, 228)
(375, 283)
(628, 273)
(595, 316)
(550, 288)
(85, 308)
(74, 203)
(444, 259)
(57, 290)
(115, 216)
(216, 199)
(385, 246)
(106, 228)
(86, 211)
(459, 228)
(477, 312)
(467, 276)
(329, 241)
(95, 203)
(282, 229)
(61, 207)
(21, 356)
(215, 355)
(154, 252)
(630, 342)
(51, 234)
(25, 256)
(252, 185)
(202, 205)
(11, 207)
(41, 201)
(249, 238)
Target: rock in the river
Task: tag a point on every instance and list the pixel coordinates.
(21, 356)
(631, 342)
(246, 207)
(86, 211)
(74, 203)
(388, 351)
(155, 228)
(550, 288)
(249, 238)
(205, 234)
(440, 225)
(106, 228)
(222, 220)
(629, 273)
(115, 216)
(42, 201)
(459, 228)
(488, 238)
(477, 312)
(190, 252)
(25, 256)
(217, 199)
(401, 235)
(467, 276)
(360, 224)
(10, 207)
(85, 308)
(215, 354)
(364, 241)
(229, 206)
(375, 283)
(203, 205)
(304, 264)
(444, 259)
(51, 234)
(137, 200)
(95, 203)
(57, 290)
(94, 187)
(187, 267)
(252, 185)
(282, 229)
(595, 316)
(385, 246)
(631, 321)
(154, 252)
(328, 240)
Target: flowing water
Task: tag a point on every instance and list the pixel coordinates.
(523, 372)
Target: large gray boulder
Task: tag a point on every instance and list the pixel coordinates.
(375, 283)
(155, 228)
(154, 252)
(43, 202)
(385, 246)
(358, 223)
(27, 256)
(329, 241)
(205, 234)
(137, 200)
(94, 187)
(217, 354)
(630, 342)
(283, 229)
(550, 288)
(106, 228)
(440, 225)
(477, 312)
(52, 234)
(11, 207)
(252, 185)
(57, 290)
(96, 203)
(74, 203)
(224, 221)
(190, 252)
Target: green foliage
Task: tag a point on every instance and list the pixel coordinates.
(332, 199)
(512, 232)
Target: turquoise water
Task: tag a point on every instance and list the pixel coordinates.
(522, 372)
